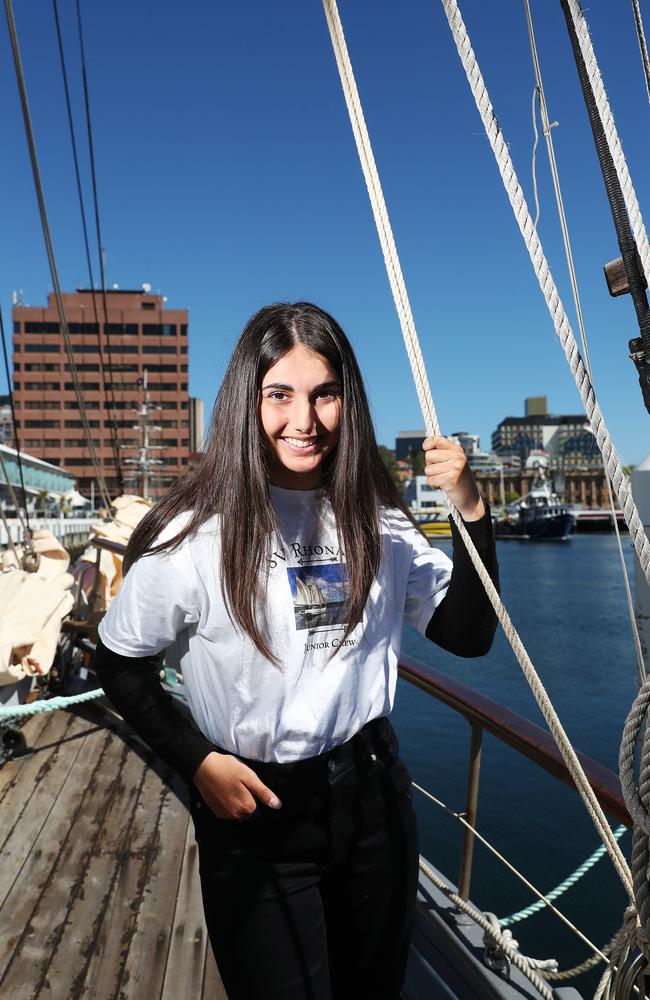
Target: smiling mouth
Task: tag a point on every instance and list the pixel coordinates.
(300, 444)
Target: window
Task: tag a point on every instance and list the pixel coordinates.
(17, 385)
(90, 386)
(125, 328)
(17, 367)
(43, 348)
(75, 461)
(80, 423)
(159, 329)
(160, 368)
(42, 385)
(42, 328)
(183, 329)
(120, 386)
(83, 328)
(122, 348)
(163, 387)
(16, 326)
(148, 305)
(183, 350)
(75, 443)
(42, 423)
(85, 348)
(71, 404)
(183, 368)
(39, 367)
(123, 366)
(121, 404)
(167, 423)
(159, 349)
(183, 386)
(84, 366)
(118, 423)
(42, 404)
(170, 404)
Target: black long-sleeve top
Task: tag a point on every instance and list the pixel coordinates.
(463, 623)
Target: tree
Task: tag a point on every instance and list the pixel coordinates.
(389, 461)
(417, 462)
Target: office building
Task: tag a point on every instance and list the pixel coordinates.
(136, 333)
(408, 444)
(566, 440)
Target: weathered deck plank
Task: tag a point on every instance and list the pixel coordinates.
(189, 937)
(107, 904)
(109, 968)
(147, 948)
(23, 820)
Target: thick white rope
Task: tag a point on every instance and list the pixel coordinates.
(424, 394)
(559, 200)
(613, 141)
(502, 939)
(543, 900)
(556, 309)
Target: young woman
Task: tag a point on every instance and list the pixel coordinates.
(283, 566)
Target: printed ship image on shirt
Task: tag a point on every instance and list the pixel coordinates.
(319, 594)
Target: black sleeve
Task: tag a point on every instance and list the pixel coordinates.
(464, 622)
(133, 685)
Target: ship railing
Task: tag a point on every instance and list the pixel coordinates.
(485, 715)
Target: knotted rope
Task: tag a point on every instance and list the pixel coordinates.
(637, 800)
(402, 304)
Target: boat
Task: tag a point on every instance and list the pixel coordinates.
(538, 516)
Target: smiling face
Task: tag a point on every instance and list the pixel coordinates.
(300, 414)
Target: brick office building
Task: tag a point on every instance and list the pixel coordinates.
(138, 333)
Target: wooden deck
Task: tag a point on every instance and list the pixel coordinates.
(99, 887)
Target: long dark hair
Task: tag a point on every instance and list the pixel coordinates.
(231, 478)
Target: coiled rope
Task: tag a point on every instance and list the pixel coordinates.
(424, 393)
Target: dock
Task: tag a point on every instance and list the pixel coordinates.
(99, 888)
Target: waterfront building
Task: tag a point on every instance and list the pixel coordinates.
(566, 439)
(408, 444)
(43, 481)
(6, 426)
(136, 333)
(418, 495)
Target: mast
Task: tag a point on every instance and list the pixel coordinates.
(144, 463)
(634, 281)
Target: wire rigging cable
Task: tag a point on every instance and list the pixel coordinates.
(103, 366)
(31, 142)
(640, 34)
(15, 426)
(100, 246)
(424, 394)
(546, 128)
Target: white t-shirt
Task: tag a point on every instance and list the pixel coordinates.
(312, 701)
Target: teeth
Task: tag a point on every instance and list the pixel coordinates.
(297, 443)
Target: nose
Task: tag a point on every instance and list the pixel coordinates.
(304, 417)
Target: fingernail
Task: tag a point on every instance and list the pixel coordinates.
(274, 802)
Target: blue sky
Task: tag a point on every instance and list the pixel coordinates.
(228, 178)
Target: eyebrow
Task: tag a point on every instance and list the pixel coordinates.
(334, 384)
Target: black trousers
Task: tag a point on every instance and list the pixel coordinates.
(314, 901)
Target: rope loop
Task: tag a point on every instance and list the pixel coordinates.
(637, 806)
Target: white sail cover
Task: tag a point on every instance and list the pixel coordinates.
(32, 606)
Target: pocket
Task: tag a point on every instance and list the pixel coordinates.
(400, 779)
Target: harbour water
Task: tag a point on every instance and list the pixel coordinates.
(567, 601)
